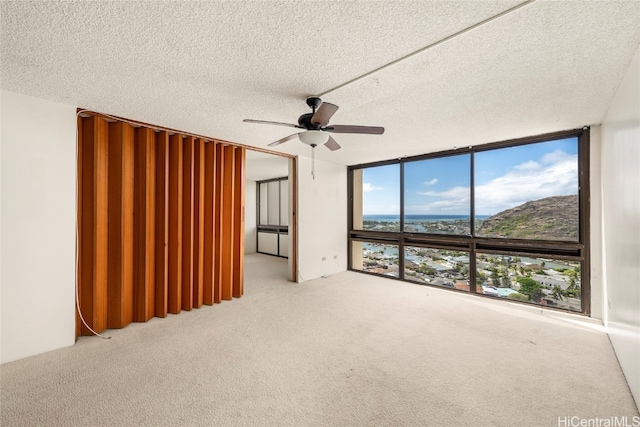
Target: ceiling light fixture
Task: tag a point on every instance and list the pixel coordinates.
(313, 137)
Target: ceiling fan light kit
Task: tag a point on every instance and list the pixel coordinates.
(313, 137)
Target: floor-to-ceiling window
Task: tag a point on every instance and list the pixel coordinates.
(507, 220)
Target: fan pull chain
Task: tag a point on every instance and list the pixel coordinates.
(313, 161)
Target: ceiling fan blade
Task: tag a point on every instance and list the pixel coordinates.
(332, 145)
(266, 122)
(324, 114)
(285, 139)
(369, 130)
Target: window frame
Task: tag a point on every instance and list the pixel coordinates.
(568, 250)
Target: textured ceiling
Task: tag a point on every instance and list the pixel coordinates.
(202, 67)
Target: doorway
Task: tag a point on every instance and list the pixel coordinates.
(270, 226)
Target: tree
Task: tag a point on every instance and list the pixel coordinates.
(495, 279)
(505, 282)
(530, 288)
(573, 289)
(518, 297)
(481, 276)
(556, 293)
(425, 269)
(572, 274)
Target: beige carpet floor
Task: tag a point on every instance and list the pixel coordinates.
(346, 350)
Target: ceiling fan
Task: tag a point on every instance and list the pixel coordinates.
(316, 126)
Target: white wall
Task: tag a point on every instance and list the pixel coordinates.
(250, 217)
(322, 219)
(37, 223)
(620, 166)
(595, 231)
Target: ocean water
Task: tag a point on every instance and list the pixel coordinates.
(418, 218)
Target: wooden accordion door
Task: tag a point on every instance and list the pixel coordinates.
(160, 222)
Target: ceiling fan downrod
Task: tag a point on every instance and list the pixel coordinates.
(314, 102)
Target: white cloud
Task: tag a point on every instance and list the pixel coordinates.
(557, 156)
(530, 165)
(450, 194)
(454, 200)
(432, 182)
(555, 175)
(367, 186)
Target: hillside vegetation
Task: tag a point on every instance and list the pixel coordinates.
(552, 218)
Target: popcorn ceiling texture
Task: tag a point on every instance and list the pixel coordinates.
(202, 67)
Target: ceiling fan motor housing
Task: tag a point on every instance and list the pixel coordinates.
(305, 121)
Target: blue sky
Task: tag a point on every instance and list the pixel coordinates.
(504, 178)
(381, 190)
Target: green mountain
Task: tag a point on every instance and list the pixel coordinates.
(552, 218)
